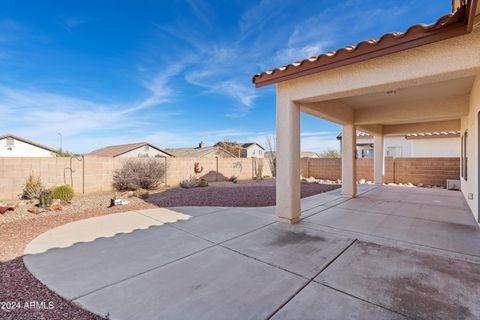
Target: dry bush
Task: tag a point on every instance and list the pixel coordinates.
(139, 174)
(33, 188)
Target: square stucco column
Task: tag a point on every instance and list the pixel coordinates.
(349, 161)
(288, 161)
(378, 159)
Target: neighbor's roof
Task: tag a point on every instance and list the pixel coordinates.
(9, 135)
(249, 144)
(451, 25)
(115, 151)
(197, 152)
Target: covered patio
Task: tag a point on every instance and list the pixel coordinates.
(425, 79)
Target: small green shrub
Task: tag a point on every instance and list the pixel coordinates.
(141, 194)
(191, 182)
(202, 183)
(45, 199)
(33, 187)
(63, 192)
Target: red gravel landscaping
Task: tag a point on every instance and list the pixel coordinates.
(229, 194)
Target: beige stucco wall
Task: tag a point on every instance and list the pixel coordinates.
(470, 124)
(22, 149)
(140, 152)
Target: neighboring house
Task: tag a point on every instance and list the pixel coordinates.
(243, 150)
(131, 150)
(252, 150)
(15, 146)
(425, 79)
(427, 144)
(200, 152)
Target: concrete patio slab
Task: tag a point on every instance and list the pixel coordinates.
(319, 302)
(89, 230)
(221, 226)
(299, 250)
(197, 211)
(415, 284)
(213, 284)
(344, 219)
(85, 267)
(164, 215)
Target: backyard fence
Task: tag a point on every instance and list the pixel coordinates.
(90, 174)
(427, 171)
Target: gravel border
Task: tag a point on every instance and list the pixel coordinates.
(228, 194)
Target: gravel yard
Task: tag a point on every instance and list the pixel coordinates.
(228, 194)
(81, 203)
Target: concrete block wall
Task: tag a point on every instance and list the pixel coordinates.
(428, 171)
(96, 173)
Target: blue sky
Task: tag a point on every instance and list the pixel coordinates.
(171, 72)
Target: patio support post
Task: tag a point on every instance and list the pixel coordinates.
(378, 159)
(349, 161)
(288, 160)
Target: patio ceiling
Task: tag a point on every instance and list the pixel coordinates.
(433, 106)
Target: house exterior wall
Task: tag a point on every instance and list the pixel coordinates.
(437, 147)
(253, 151)
(141, 152)
(22, 149)
(470, 125)
(399, 146)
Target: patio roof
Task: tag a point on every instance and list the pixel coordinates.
(451, 25)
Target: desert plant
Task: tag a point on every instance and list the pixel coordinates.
(191, 182)
(45, 199)
(272, 156)
(139, 174)
(330, 153)
(63, 192)
(141, 194)
(202, 183)
(33, 187)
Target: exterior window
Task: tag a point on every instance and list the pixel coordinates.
(367, 153)
(394, 151)
(253, 152)
(146, 148)
(10, 142)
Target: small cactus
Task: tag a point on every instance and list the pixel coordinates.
(45, 199)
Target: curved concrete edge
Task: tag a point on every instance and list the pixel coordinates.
(90, 229)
